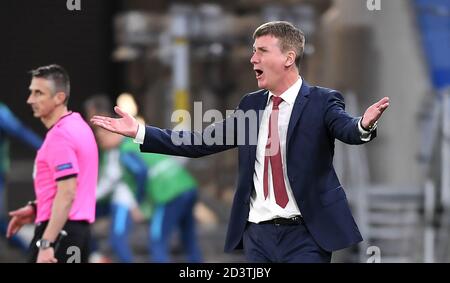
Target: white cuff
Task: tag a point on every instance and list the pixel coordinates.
(365, 135)
(140, 136)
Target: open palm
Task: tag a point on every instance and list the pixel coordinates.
(126, 125)
(373, 113)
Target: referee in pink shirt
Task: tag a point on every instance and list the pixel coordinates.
(65, 174)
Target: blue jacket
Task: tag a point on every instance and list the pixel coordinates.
(10, 125)
(318, 117)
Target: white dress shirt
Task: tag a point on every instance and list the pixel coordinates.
(262, 209)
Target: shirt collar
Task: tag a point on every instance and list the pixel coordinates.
(60, 118)
(291, 93)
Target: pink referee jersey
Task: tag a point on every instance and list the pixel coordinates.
(69, 149)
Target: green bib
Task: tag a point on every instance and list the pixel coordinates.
(166, 178)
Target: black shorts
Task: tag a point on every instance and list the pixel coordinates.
(73, 248)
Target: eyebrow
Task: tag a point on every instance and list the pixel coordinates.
(34, 89)
(262, 48)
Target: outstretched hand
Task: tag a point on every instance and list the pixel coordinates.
(20, 217)
(126, 125)
(373, 113)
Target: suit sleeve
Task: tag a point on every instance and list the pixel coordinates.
(339, 123)
(217, 137)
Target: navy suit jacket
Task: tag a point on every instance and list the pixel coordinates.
(317, 119)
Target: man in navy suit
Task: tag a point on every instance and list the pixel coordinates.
(289, 205)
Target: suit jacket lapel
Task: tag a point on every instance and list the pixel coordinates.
(260, 105)
(299, 106)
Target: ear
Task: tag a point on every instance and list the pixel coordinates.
(290, 58)
(60, 97)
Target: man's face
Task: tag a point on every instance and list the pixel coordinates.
(41, 99)
(268, 62)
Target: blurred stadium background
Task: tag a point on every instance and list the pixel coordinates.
(169, 54)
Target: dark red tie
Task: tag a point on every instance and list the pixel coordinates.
(273, 153)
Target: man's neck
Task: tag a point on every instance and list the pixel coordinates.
(57, 113)
(290, 79)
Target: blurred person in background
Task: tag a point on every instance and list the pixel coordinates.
(172, 192)
(65, 174)
(164, 190)
(11, 126)
(289, 205)
(100, 103)
(114, 197)
(116, 194)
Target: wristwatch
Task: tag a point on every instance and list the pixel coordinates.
(33, 205)
(43, 244)
(371, 128)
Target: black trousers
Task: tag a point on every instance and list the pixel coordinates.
(282, 243)
(74, 248)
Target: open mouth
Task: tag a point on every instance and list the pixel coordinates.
(258, 73)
